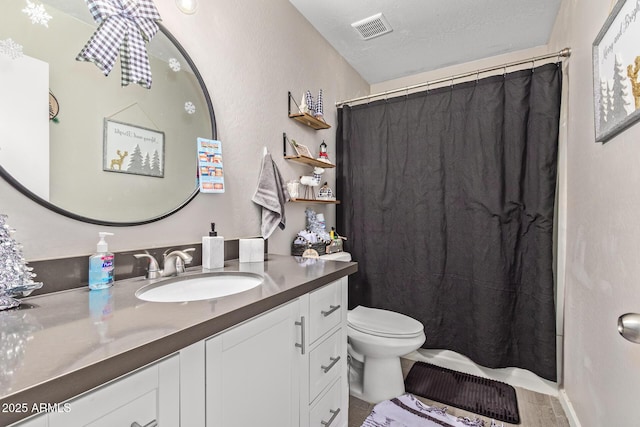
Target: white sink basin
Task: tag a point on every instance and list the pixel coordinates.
(199, 287)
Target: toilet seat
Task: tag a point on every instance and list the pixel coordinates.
(383, 323)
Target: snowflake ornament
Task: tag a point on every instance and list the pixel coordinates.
(189, 107)
(174, 64)
(10, 48)
(37, 14)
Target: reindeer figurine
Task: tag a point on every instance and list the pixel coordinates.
(118, 162)
(632, 73)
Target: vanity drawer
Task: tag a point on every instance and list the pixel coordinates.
(131, 399)
(151, 393)
(325, 310)
(325, 364)
(328, 411)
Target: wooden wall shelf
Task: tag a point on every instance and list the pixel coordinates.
(306, 119)
(326, 202)
(310, 161)
(309, 120)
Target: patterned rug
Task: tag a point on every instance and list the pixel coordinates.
(479, 395)
(408, 411)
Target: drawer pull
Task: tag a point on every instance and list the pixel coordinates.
(301, 324)
(152, 423)
(334, 360)
(332, 309)
(333, 417)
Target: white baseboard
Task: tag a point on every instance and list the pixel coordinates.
(513, 376)
(572, 417)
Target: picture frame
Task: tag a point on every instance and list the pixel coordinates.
(302, 150)
(132, 149)
(616, 69)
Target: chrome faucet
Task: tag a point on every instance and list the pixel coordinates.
(174, 263)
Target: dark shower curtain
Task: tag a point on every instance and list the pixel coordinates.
(448, 202)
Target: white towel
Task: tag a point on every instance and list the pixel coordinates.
(271, 195)
(407, 411)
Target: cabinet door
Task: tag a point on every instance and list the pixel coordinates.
(152, 393)
(37, 421)
(252, 374)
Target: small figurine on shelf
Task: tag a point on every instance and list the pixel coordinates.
(307, 105)
(318, 107)
(325, 193)
(322, 154)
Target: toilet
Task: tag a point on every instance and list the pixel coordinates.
(377, 340)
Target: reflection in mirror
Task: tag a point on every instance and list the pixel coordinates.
(80, 164)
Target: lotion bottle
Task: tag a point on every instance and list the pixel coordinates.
(212, 249)
(101, 265)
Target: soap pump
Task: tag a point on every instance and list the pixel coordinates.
(101, 265)
(212, 249)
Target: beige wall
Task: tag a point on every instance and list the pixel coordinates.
(250, 54)
(602, 370)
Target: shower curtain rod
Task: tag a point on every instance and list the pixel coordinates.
(566, 52)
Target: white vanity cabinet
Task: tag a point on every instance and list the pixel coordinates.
(151, 394)
(37, 421)
(325, 386)
(284, 368)
(253, 372)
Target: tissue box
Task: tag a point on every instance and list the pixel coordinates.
(251, 250)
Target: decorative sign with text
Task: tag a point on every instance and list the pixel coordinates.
(133, 149)
(616, 64)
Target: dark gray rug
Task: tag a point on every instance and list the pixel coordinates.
(479, 395)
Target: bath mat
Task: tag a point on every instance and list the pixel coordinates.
(407, 411)
(474, 394)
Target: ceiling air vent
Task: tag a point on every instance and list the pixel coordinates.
(372, 26)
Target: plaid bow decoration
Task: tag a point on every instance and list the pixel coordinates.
(124, 26)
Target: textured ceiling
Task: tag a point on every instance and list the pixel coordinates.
(429, 34)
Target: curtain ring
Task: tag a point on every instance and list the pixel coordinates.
(451, 84)
(406, 92)
(504, 72)
(385, 96)
(533, 65)
(427, 87)
(477, 76)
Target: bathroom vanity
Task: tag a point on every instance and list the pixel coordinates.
(274, 355)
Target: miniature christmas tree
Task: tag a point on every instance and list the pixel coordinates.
(15, 276)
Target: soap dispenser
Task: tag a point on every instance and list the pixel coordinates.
(101, 265)
(212, 249)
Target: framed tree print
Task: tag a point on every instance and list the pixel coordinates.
(616, 64)
(132, 149)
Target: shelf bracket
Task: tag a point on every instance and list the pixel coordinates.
(284, 142)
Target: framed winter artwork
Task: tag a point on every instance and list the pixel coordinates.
(616, 64)
(303, 150)
(132, 149)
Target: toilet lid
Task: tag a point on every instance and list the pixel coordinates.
(383, 323)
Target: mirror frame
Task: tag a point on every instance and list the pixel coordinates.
(45, 203)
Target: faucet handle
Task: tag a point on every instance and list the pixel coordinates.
(181, 262)
(153, 271)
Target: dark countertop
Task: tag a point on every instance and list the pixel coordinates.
(56, 346)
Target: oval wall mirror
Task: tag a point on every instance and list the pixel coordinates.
(78, 142)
